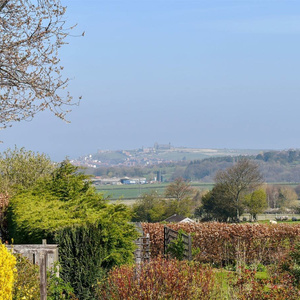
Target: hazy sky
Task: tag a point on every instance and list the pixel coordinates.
(208, 74)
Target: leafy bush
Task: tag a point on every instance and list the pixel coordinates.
(87, 251)
(57, 288)
(176, 247)
(64, 199)
(27, 283)
(159, 279)
(21, 169)
(7, 273)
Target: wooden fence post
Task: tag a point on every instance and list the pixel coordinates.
(43, 275)
(190, 248)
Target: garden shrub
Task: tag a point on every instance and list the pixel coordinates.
(87, 251)
(247, 286)
(7, 273)
(57, 288)
(27, 282)
(159, 279)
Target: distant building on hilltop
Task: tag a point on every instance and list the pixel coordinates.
(162, 146)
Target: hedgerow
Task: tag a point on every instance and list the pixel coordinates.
(223, 244)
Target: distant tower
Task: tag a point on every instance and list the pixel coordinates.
(158, 176)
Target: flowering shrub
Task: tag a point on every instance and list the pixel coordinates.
(159, 279)
(7, 273)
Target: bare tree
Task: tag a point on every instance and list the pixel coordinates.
(242, 177)
(31, 33)
(179, 190)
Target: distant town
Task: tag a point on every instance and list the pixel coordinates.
(158, 154)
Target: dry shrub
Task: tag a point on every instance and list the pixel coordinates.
(223, 244)
(159, 279)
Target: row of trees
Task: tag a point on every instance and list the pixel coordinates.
(238, 189)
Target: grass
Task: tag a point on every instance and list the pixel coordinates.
(131, 192)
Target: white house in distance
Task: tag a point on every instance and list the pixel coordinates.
(179, 219)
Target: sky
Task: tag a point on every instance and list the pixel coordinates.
(205, 74)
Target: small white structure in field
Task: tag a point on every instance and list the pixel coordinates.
(273, 222)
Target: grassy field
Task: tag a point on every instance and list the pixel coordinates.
(131, 192)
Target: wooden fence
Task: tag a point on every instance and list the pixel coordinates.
(142, 253)
(170, 235)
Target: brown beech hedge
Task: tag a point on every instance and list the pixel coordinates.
(223, 244)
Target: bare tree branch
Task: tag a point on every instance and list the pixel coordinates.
(2, 4)
(31, 34)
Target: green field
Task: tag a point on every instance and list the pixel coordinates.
(131, 192)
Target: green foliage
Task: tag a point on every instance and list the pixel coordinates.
(231, 186)
(93, 235)
(176, 247)
(57, 288)
(216, 205)
(68, 183)
(27, 283)
(56, 201)
(21, 169)
(149, 208)
(34, 216)
(37, 213)
(256, 202)
(87, 251)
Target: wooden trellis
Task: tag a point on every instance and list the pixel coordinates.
(170, 235)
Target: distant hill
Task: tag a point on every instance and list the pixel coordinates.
(276, 166)
(155, 155)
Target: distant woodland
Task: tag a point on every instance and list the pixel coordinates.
(276, 166)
